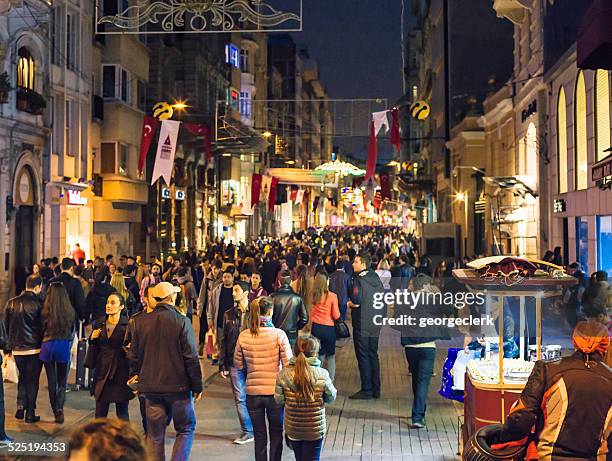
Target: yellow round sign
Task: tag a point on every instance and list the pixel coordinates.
(419, 110)
(162, 111)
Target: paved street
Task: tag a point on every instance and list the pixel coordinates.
(364, 430)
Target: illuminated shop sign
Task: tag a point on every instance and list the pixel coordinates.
(559, 206)
(75, 198)
(232, 55)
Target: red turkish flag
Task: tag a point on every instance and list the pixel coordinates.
(385, 186)
(202, 130)
(255, 189)
(293, 194)
(395, 137)
(272, 197)
(372, 153)
(149, 129)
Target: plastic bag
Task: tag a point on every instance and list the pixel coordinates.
(74, 352)
(459, 369)
(9, 369)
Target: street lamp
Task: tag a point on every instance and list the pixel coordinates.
(463, 197)
(267, 134)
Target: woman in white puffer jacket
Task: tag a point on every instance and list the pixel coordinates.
(263, 351)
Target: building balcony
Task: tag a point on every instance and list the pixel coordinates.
(594, 42)
(514, 10)
(118, 188)
(30, 101)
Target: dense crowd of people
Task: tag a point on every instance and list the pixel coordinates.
(268, 314)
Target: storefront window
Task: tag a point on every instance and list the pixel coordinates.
(562, 142)
(604, 244)
(602, 114)
(580, 140)
(582, 242)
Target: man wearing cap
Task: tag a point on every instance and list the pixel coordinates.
(569, 401)
(163, 354)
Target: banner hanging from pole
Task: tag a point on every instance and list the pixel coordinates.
(166, 148)
(149, 130)
(255, 189)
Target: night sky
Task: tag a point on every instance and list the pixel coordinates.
(357, 45)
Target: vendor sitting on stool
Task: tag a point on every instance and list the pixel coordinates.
(569, 401)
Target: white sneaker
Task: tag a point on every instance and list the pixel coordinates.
(244, 438)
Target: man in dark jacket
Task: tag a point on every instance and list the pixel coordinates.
(339, 282)
(290, 314)
(163, 354)
(24, 330)
(365, 284)
(74, 289)
(132, 286)
(569, 401)
(235, 321)
(269, 271)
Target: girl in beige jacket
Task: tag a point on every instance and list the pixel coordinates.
(263, 351)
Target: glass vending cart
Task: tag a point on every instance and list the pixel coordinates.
(494, 382)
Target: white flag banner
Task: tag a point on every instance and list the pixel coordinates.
(299, 197)
(266, 185)
(380, 120)
(166, 148)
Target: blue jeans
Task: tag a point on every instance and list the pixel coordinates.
(238, 379)
(307, 450)
(160, 410)
(260, 407)
(366, 351)
(420, 364)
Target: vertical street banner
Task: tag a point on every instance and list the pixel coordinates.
(294, 192)
(315, 203)
(395, 136)
(385, 186)
(380, 120)
(205, 132)
(149, 129)
(166, 148)
(273, 191)
(266, 184)
(255, 189)
(299, 196)
(372, 153)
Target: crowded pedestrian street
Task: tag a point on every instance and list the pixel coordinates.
(277, 230)
(357, 430)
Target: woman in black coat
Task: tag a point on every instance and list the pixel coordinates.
(107, 356)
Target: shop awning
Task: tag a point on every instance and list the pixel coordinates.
(299, 177)
(511, 183)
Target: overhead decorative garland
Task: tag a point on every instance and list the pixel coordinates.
(198, 16)
(341, 168)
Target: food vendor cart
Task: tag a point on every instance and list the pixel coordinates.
(493, 384)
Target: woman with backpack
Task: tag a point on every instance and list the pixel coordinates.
(304, 388)
(261, 349)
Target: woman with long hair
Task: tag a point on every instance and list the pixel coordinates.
(58, 331)
(262, 349)
(107, 357)
(325, 312)
(302, 285)
(304, 388)
(118, 283)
